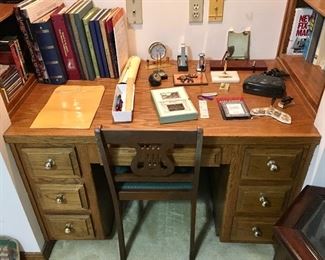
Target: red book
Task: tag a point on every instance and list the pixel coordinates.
(65, 45)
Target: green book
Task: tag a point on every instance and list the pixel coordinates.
(79, 34)
(86, 20)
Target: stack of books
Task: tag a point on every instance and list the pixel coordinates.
(10, 81)
(13, 72)
(73, 42)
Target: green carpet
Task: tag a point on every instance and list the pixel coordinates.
(163, 233)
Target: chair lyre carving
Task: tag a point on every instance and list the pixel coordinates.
(152, 160)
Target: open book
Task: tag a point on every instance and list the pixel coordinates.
(173, 105)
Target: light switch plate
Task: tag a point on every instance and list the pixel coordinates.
(216, 10)
(134, 11)
(196, 8)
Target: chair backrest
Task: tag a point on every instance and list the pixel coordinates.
(153, 155)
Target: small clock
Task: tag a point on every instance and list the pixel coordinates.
(157, 51)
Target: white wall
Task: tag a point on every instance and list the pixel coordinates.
(316, 172)
(167, 21)
(17, 218)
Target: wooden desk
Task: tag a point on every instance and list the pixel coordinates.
(248, 197)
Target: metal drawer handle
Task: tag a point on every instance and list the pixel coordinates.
(49, 164)
(59, 199)
(256, 231)
(264, 201)
(68, 228)
(272, 166)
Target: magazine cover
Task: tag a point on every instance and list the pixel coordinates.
(299, 31)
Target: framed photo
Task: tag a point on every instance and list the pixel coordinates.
(233, 109)
(173, 105)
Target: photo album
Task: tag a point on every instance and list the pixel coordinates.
(173, 105)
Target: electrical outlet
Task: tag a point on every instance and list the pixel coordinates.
(196, 11)
(134, 11)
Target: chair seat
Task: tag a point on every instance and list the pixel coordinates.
(155, 186)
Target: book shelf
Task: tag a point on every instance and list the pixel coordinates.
(309, 78)
(6, 12)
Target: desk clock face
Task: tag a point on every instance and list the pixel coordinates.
(157, 51)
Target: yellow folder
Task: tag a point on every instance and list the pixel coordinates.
(70, 106)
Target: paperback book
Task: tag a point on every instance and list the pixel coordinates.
(299, 31)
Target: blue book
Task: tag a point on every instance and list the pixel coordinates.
(98, 44)
(45, 38)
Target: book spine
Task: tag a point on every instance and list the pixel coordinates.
(65, 46)
(101, 49)
(106, 48)
(112, 47)
(28, 40)
(79, 51)
(16, 60)
(45, 37)
(313, 37)
(91, 48)
(121, 39)
(73, 44)
(96, 49)
(21, 59)
(84, 45)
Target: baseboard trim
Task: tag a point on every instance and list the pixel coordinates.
(44, 255)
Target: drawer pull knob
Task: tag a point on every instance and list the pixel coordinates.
(59, 199)
(264, 201)
(68, 228)
(272, 166)
(49, 164)
(256, 231)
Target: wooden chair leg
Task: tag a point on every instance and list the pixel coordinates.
(120, 233)
(192, 235)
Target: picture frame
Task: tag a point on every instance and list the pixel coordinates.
(233, 108)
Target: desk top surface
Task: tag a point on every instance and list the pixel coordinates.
(145, 116)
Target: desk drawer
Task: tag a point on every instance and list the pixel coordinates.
(58, 162)
(69, 227)
(262, 199)
(270, 164)
(252, 229)
(59, 197)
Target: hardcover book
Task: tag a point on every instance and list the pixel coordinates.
(299, 31)
(102, 22)
(85, 20)
(121, 39)
(36, 57)
(65, 45)
(45, 37)
(111, 42)
(173, 105)
(78, 30)
(98, 44)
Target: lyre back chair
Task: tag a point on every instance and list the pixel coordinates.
(153, 174)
